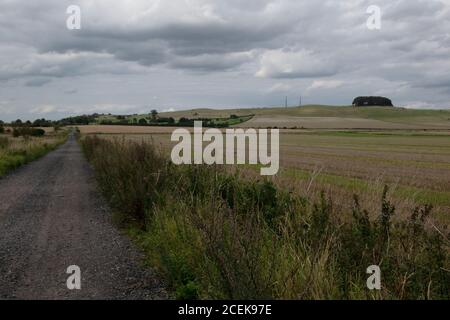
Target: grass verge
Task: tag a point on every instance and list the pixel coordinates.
(15, 152)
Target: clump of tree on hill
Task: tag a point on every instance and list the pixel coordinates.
(372, 102)
(43, 123)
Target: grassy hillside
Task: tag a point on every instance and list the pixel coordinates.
(334, 117)
(306, 117)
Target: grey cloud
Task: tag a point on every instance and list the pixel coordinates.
(128, 52)
(38, 82)
(71, 91)
(172, 38)
(212, 62)
(296, 64)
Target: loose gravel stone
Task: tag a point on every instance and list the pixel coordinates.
(52, 217)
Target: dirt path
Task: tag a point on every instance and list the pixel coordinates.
(52, 217)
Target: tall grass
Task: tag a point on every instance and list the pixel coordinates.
(4, 142)
(15, 152)
(216, 235)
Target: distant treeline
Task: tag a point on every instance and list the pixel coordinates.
(79, 120)
(168, 122)
(22, 131)
(155, 120)
(123, 121)
(133, 120)
(44, 123)
(36, 123)
(76, 120)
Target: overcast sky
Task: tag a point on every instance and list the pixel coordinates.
(137, 55)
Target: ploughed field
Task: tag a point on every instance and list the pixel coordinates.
(415, 164)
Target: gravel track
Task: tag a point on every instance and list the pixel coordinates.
(52, 217)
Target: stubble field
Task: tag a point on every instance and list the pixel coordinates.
(414, 164)
(310, 231)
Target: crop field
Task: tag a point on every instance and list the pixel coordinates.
(356, 187)
(322, 123)
(307, 117)
(218, 234)
(415, 164)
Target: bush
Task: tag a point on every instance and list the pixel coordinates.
(28, 131)
(2, 129)
(4, 142)
(16, 132)
(165, 120)
(216, 235)
(187, 121)
(37, 132)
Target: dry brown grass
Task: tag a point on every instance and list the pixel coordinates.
(18, 151)
(21, 143)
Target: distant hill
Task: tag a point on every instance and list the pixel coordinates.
(306, 117)
(331, 117)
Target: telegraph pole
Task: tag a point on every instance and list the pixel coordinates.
(286, 102)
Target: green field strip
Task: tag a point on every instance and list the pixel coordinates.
(358, 185)
(421, 195)
(375, 160)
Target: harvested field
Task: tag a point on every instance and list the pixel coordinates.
(321, 123)
(238, 236)
(415, 164)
